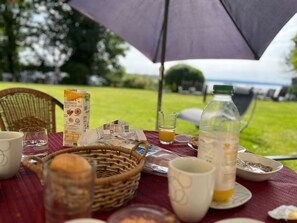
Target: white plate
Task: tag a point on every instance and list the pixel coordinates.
(85, 220)
(241, 195)
(182, 138)
(241, 149)
(241, 220)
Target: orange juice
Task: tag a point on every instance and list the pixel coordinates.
(220, 149)
(166, 136)
(221, 196)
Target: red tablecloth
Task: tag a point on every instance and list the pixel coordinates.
(21, 198)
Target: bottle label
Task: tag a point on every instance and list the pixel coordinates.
(220, 149)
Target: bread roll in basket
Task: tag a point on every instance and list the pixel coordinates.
(117, 174)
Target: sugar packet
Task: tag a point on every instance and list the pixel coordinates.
(116, 133)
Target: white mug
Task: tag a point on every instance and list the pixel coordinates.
(11, 147)
(191, 184)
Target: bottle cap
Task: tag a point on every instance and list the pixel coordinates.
(223, 89)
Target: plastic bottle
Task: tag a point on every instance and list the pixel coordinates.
(219, 139)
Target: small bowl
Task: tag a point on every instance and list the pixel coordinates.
(248, 174)
(143, 213)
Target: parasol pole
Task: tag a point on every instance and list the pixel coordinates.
(163, 52)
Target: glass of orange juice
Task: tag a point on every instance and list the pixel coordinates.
(166, 126)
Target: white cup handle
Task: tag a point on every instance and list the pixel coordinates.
(3, 156)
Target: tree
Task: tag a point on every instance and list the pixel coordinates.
(94, 46)
(182, 72)
(294, 54)
(139, 81)
(23, 35)
(292, 60)
(74, 40)
(46, 33)
(11, 17)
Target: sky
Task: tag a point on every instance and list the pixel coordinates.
(271, 68)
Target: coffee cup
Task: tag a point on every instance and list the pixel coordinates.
(191, 184)
(11, 147)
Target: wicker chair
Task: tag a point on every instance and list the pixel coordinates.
(21, 107)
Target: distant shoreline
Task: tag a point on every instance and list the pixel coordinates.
(262, 87)
(244, 82)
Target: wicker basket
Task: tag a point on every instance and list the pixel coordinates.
(118, 172)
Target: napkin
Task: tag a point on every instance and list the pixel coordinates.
(116, 133)
(286, 212)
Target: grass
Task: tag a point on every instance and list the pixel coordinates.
(272, 131)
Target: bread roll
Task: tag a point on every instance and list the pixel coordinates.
(69, 163)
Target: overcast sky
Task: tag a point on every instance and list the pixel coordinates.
(271, 68)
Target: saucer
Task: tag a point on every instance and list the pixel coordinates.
(241, 149)
(241, 220)
(241, 195)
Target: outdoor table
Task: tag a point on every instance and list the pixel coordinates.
(21, 197)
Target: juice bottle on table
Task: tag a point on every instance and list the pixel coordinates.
(219, 139)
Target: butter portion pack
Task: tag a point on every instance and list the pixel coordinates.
(76, 115)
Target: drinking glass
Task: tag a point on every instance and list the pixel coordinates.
(35, 141)
(68, 195)
(166, 126)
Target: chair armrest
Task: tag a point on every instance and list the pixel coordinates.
(283, 157)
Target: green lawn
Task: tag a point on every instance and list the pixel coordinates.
(272, 131)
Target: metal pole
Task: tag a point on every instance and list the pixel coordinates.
(163, 53)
